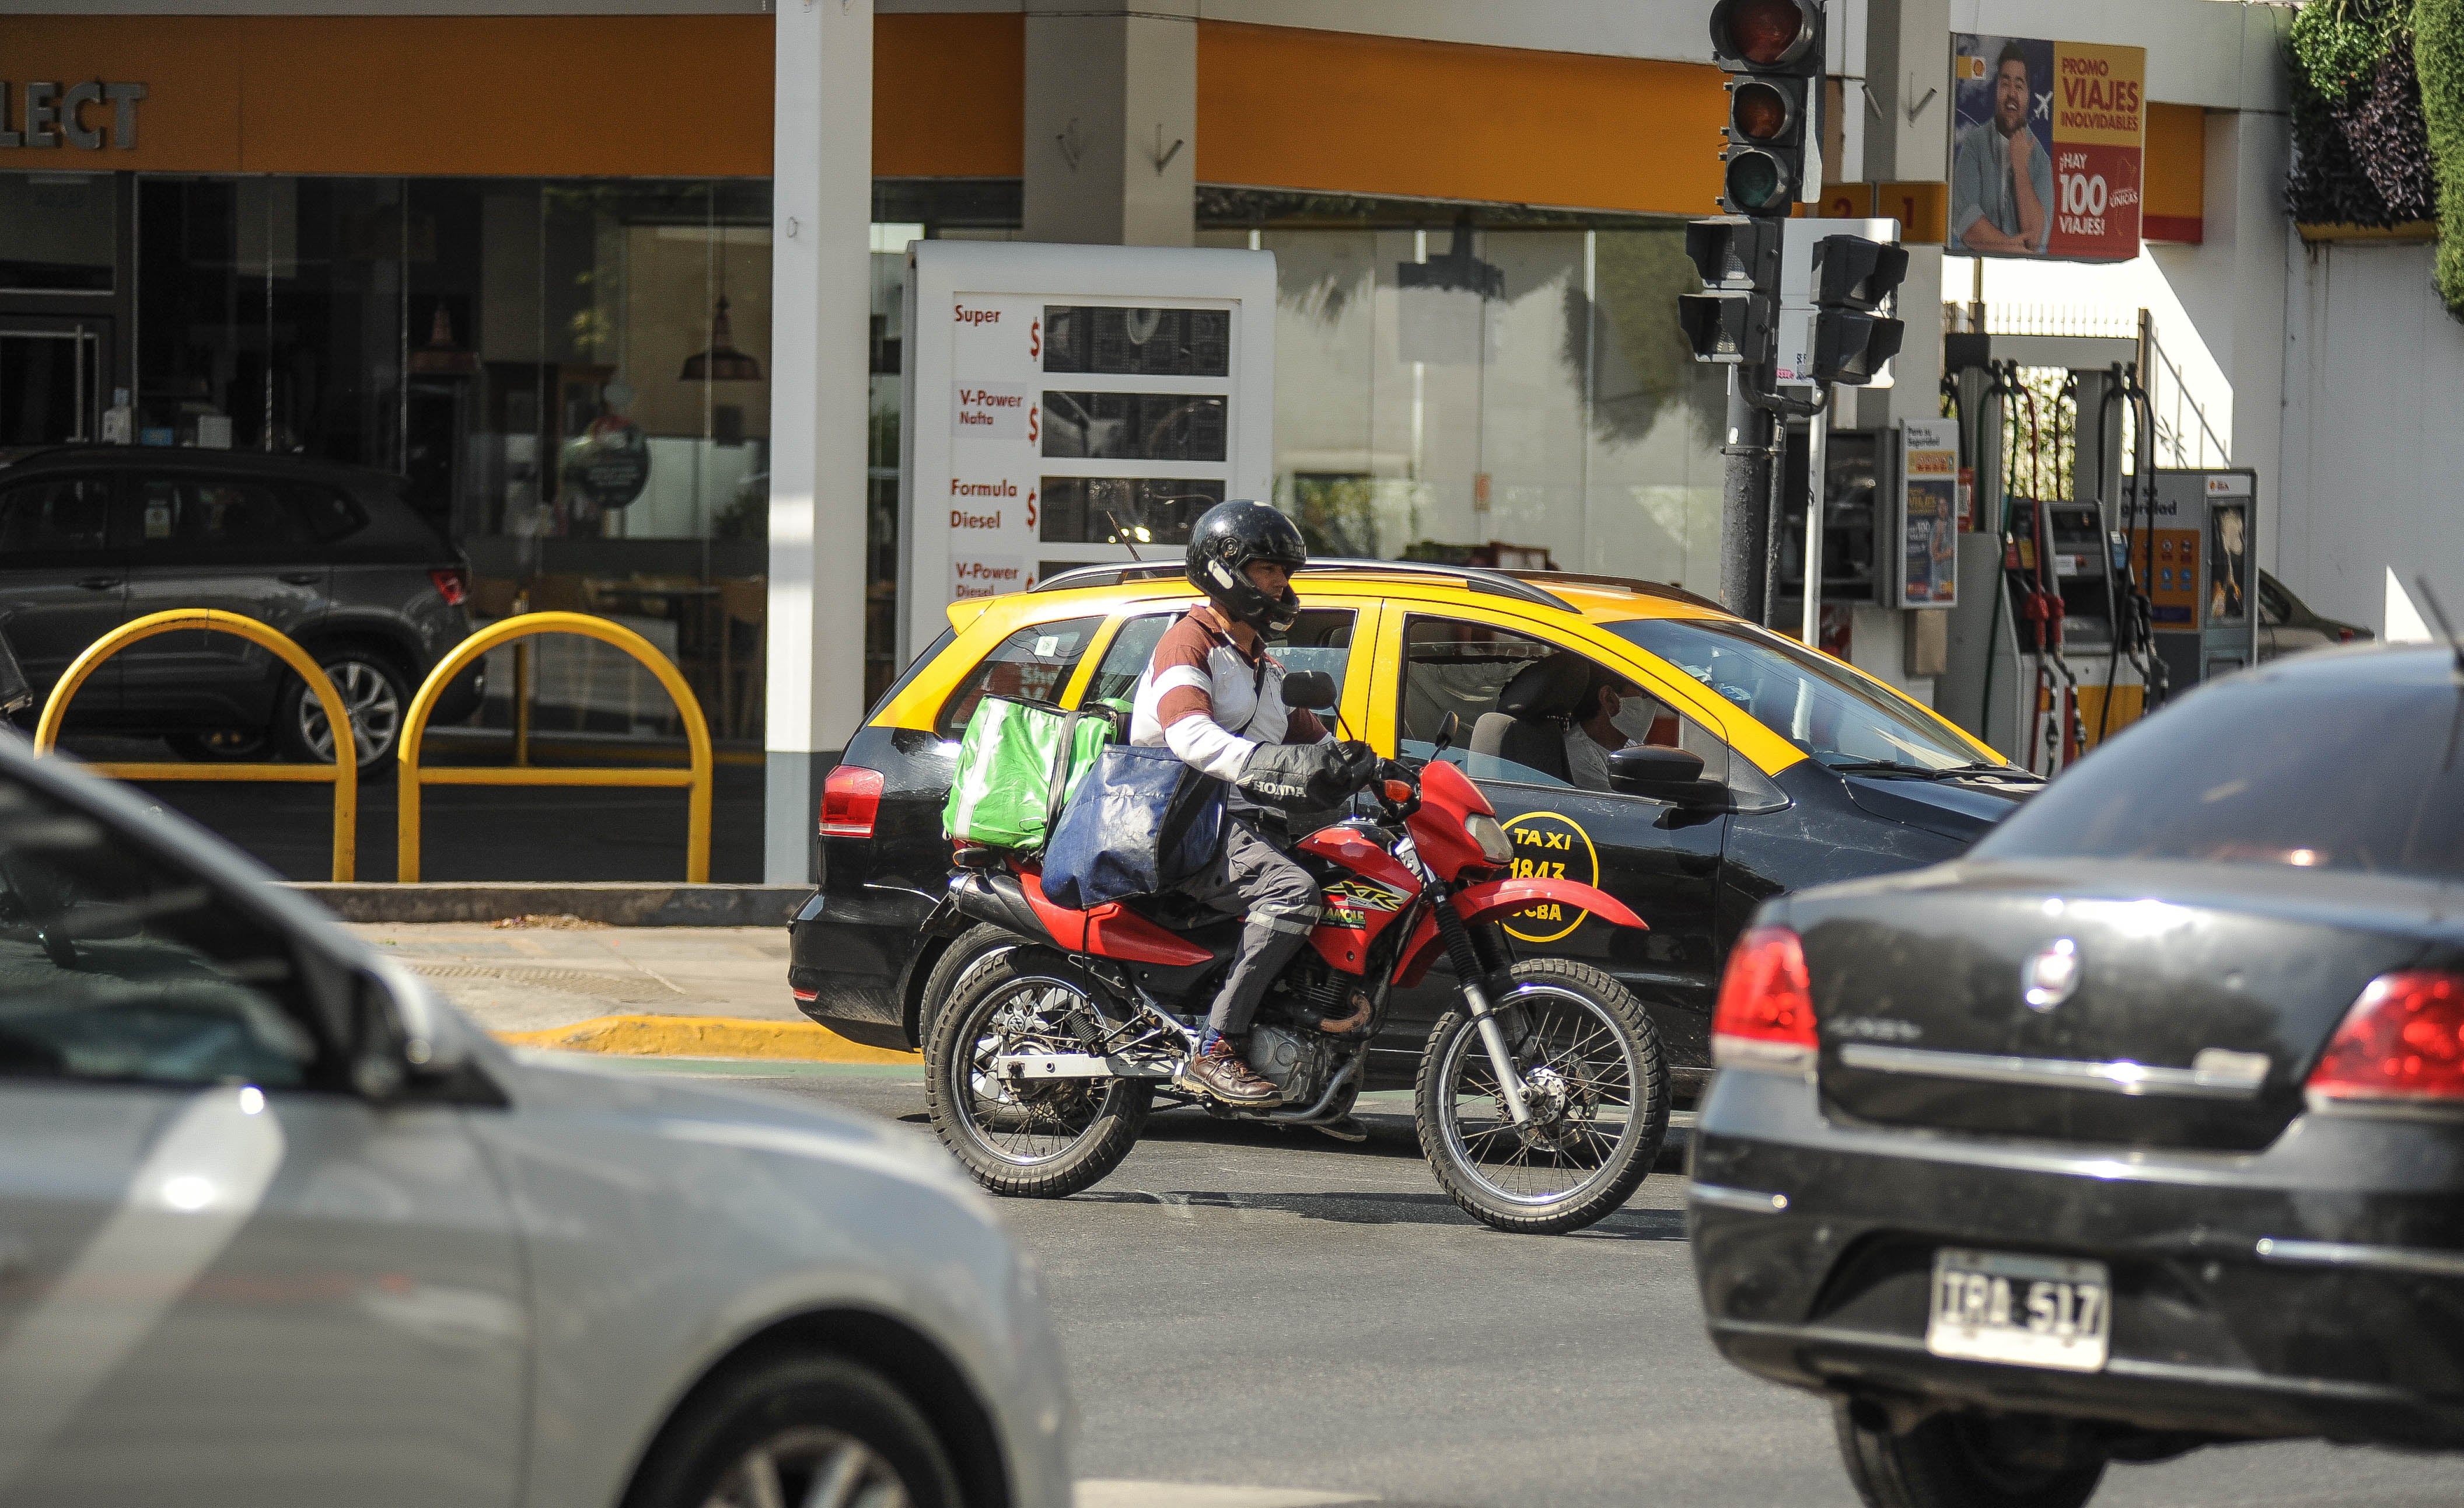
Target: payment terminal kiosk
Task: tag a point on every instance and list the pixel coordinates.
(2195, 554)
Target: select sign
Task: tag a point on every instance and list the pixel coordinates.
(79, 115)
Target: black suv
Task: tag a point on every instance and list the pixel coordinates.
(333, 556)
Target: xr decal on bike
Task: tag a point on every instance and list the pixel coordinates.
(1349, 902)
(1550, 846)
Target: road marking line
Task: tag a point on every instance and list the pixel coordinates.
(706, 1037)
(1116, 1492)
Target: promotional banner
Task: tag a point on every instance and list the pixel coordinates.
(1928, 574)
(2046, 140)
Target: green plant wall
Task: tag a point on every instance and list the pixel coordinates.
(2377, 120)
(2361, 156)
(2438, 45)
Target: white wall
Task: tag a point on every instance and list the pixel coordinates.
(2373, 432)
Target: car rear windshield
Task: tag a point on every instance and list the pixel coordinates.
(2355, 770)
(1806, 698)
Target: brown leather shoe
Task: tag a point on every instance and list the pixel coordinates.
(1220, 1071)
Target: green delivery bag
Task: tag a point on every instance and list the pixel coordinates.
(1017, 763)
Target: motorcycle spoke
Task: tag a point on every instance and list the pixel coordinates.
(1582, 1114)
(1028, 1124)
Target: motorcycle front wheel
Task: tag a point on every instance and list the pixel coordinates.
(1036, 1140)
(1595, 1082)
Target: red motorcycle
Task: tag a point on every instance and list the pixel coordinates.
(1541, 1103)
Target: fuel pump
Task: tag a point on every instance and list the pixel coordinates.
(2049, 649)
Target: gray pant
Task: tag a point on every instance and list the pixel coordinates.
(1251, 878)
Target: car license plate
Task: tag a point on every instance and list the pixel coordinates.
(2023, 1311)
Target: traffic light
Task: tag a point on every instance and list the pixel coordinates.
(1853, 279)
(1735, 317)
(1774, 50)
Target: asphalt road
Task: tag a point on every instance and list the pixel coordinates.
(1290, 1316)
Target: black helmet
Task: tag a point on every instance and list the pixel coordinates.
(1227, 540)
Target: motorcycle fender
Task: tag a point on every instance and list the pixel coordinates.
(1500, 898)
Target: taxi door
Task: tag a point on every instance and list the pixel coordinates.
(1514, 690)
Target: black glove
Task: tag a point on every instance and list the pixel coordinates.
(1303, 777)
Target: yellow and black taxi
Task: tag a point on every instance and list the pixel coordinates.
(1811, 770)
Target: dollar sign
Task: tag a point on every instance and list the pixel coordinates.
(1030, 421)
(1035, 338)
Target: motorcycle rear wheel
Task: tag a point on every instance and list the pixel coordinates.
(1042, 1140)
(1590, 1058)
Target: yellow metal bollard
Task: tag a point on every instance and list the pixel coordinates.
(697, 775)
(346, 792)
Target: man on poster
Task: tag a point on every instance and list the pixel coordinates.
(2002, 179)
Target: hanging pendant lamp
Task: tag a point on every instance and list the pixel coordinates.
(722, 362)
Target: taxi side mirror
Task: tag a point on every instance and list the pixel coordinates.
(1664, 774)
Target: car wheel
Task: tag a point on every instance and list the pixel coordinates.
(221, 745)
(799, 1430)
(1964, 1460)
(375, 692)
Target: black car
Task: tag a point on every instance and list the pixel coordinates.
(1813, 772)
(92, 536)
(2138, 1129)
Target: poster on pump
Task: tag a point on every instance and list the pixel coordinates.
(1072, 406)
(2045, 148)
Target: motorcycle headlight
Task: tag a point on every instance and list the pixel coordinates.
(1487, 831)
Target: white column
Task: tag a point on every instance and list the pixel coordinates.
(1112, 121)
(821, 304)
(2245, 223)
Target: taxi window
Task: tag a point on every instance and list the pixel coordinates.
(1466, 668)
(1806, 698)
(1034, 662)
(1116, 678)
(1320, 639)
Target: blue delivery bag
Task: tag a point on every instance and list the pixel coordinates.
(1139, 821)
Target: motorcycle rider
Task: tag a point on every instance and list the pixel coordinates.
(1213, 695)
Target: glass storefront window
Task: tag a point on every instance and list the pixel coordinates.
(571, 374)
(1495, 395)
(60, 233)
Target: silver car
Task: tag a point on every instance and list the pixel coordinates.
(278, 1226)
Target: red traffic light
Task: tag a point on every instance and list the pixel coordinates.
(1761, 111)
(1766, 33)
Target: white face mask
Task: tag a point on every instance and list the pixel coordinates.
(1635, 718)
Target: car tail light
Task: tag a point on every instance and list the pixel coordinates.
(451, 585)
(1765, 1018)
(851, 798)
(2401, 1041)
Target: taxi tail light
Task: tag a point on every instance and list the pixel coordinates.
(851, 799)
(2401, 1041)
(1764, 1017)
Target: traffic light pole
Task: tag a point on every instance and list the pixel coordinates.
(1745, 529)
(1818, 461)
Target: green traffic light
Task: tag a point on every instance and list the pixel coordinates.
(1756, 185)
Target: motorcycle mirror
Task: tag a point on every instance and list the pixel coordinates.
(1308, 690)
(1449, 728)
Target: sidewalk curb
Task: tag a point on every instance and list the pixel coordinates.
(706, 1037)
(620, 905)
